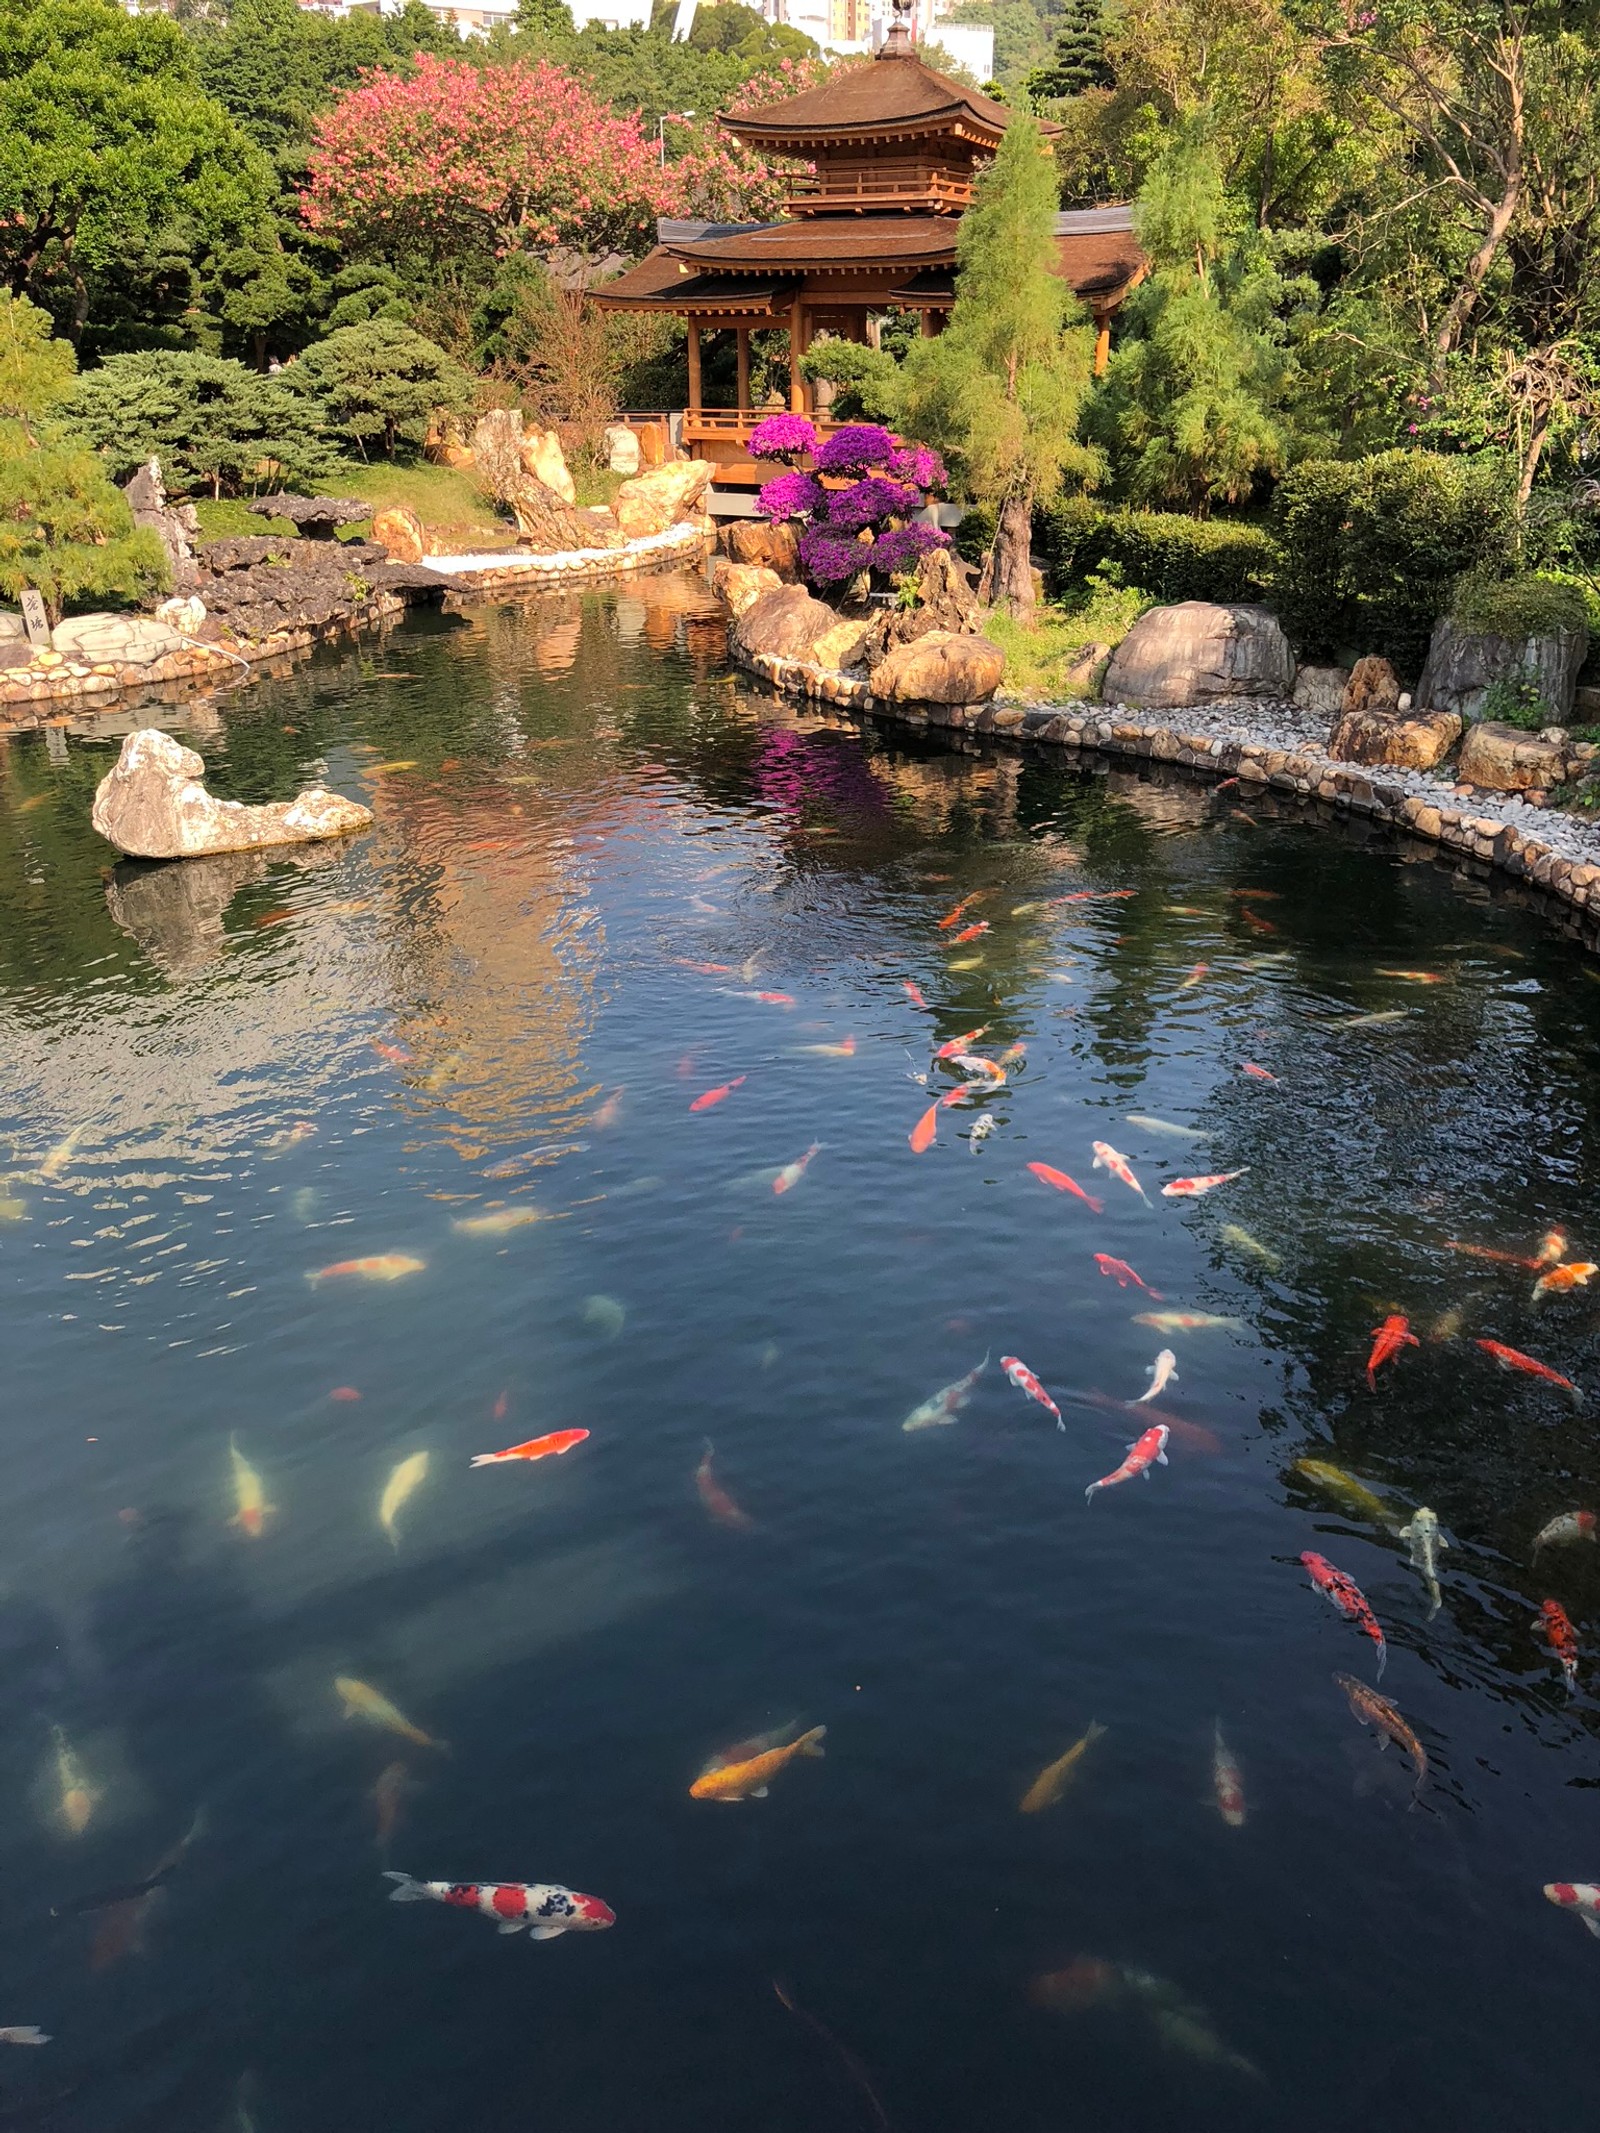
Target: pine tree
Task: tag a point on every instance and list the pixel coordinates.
(999, 391)
(1078, 61)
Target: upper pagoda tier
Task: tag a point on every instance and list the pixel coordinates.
(888, 135)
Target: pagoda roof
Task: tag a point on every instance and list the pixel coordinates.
(890, 98)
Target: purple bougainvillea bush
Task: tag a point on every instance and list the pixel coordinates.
(871, 523)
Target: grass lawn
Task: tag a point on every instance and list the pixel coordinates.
(444, 498)
(1038, 657)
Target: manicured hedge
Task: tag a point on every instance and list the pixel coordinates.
(1372, 549)
(1170, 555)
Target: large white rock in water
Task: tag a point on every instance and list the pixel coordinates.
(154, 806)
(1194, 652)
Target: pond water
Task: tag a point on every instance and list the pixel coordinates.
(607, 880)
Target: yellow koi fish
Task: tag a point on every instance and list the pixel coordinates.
(1239, 1239)
(253, 1509)
(749, 1780)
(1055, 1777)
(497, 1222)
(362, 1701)
(1344, 1489)
(62, 1153)
(1182, 1321)
(77, 1798)
(384, 1266)
(407, 1477)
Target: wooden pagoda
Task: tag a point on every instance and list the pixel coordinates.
(895, 149)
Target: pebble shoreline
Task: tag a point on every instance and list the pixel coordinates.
(1261, 742)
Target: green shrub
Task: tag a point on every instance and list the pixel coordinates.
(1173, 556)
(1517, 703)
(65, 531)
(381, 385)
(1371, 548)
(1534, 606)
(214, 425)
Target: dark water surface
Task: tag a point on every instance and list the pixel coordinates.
(493, 1003)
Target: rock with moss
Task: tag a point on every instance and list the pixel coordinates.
(1528, 636)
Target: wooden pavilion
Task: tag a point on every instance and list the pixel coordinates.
(895, 149)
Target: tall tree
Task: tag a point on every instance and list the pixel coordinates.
(1079, 60)
(1000, 390)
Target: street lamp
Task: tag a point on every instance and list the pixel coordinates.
(661, 131)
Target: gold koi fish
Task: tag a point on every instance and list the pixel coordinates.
(362, 1701)
(1239, 1239)
(76, 1798)
(1055, 1777)
(250, 1498)
(749, 1780)
(1182, 1321)
(384, 1266)
(406, 1479)
(1345, 1490)
(497, 1222)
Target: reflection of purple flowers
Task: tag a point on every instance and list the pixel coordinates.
(920, 464)
(870, 501)
(782, 437)
(829, 558)
(855, 449)
(903, 547)
(791, 496)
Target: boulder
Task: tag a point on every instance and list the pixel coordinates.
(1319, 691)
(1195, 651)
(152, 805)
(842, 646)
(652, 502)
(12, 626)
(543, 458)
(129, 640)
(945, 602)
(548, 524)
(1374, 686)
(783, 623)
(176, 526)
(15, 652)
(399, 530)
(758, 540)
(1463, 665)
(1087, 672)
(941, 668)
(740, 585)
(1376, 736)
(187, 616)
(622, 449)
(1505, 759)
(317, 517)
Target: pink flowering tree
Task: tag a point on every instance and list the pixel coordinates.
(457, 158)
(870, 516)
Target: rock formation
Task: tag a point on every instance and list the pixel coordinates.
(398, 531)
(152, 805)
(1195, 651)
(942, 667)
(176, 526)
(1464, 664)
(758, 540)
(548, 524)
(317, 517)
(663, 497)
(1376, 735)
(786, 623)
(1505, 759)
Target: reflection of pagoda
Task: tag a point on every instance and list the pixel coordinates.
(896, 148)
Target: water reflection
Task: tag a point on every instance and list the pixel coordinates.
(595, 853)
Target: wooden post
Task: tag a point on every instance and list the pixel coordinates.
(797, 384)
(1102, 343)
(741, 336)
(694, 366)
(929, 324)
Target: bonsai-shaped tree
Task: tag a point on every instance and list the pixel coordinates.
(870, 519)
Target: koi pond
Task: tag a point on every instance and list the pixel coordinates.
(764, 1131)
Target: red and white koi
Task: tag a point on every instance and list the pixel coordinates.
(719, 1094)
(1145, 1452)
(1193, 979)
(1047, 1175)
(1348, 1597)
(1387, 1341)
(977, 1068)
(769, 999)
(1107, 1158)
(543, 1907)
(1530, 1366)
(913, 993)
(1122, 1274)
(1227, 1783)
(1566, 1527)
(1562, 1639)
(1162, 1373)
(954, 1046)
(791, 1173)
(1582, 1898)
(1192, 1188)
(1025, 1381)
(973, 933)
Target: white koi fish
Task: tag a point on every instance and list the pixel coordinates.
(1107, 1158)
(946, 1405)
(1162, 1373)
(1426, 1541)
(407, 1477)
(982, 1127)
(1148, 1124)
(791, 1173)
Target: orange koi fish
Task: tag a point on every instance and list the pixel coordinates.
(1487, 1251)
(1388, 1339)
(922, 1133)
(705, 970)
(1192, 1188)
(1107, 1158)
(1553, 1246)
(1089, 896)
(749, 1781)
(791, 1173)
(345, 1392)
(1256, 922)
(1013, 1055)
(1122, 1274)
(972, 933)
(1514, 1359)
(1194, 977)
(382, 1266)
(1562, 1639)
(963, 1043)
(1260, 896)
(954, 918)
(1256, 1073)
(609, 1112)
(914, 993)
(1415, 977)
(718, 1095)
(1375, 1710)
(396, 1054)
(1575, 1274)
(768, 999)
(718, 1503)
(1348, 1597)
(1062, 1183)
(550, 1447)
